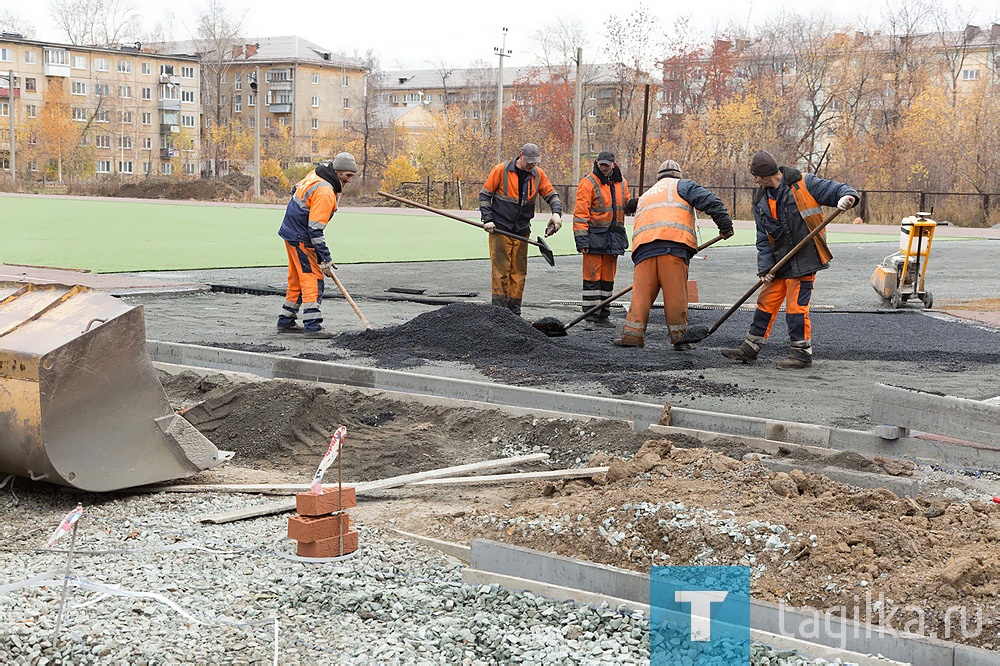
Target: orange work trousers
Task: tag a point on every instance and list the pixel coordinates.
(598, 281)
(509, 261)
(796, 294)
(305, 288)
(668, 273)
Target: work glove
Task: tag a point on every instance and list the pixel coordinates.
(489, 227)
(555, 224)
(846, 202)
(328, 267)
(631, 205)
(728, 233)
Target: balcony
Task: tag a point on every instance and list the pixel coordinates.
(280, 108)
(52, 69)
(166, 153)
(169, 105)
(170, 129)
(277, 86)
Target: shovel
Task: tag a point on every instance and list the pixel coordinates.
(350, 301)
(538, 242)
(554, 328)
(699, 333)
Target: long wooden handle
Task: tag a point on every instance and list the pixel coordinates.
(784, 260)
(350, 301)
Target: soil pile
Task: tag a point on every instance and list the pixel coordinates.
(504, 346)
(809, 541)
(166, 188)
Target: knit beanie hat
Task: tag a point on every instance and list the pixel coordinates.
(669, 169)
(345, 162)
(763, 164)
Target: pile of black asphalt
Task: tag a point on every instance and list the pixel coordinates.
(506, 347)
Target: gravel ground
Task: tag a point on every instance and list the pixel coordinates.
(227, 586)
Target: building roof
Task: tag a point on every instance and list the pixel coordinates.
(124, 49)
(267, 50)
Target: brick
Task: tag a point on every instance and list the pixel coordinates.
(331, 501)
(343, 544)
(692, 291)
(305, 528)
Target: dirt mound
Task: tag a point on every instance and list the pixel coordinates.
(504, 346)
(809, 541)
(242, 183)
(166, 188)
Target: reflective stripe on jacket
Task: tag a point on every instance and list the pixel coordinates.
(663, 215)
(599, 215)
(313, 203)
(812, 214)
(499, 200)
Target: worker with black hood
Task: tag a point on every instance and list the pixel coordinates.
(602, 200)
(313, 203)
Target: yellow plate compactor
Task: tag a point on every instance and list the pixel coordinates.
(901, 276)
(80, 404)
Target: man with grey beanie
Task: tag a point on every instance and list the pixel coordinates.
(313, 203)
(786, 206)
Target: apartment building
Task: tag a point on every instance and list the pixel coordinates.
(474, 91)
(305, 94)
(132, 112)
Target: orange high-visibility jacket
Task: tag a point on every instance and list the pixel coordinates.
(593, 215)
(499, 203)
(663, 215)
(311, 207)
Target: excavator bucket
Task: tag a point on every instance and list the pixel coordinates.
(80, 404)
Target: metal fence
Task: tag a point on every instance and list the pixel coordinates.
(963, 209)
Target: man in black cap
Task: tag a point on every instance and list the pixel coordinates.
(602, 200)
(507, 201)
(786, 206)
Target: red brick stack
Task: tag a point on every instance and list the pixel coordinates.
(321, 524)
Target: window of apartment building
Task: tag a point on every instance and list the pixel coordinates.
(147, 93)
(79, 62)
(208, 122)
(5, 163)
(125, 117)
(238, 82)
(102, 141)
(32, 110)
(237, 103)
(100, 64)
(79, 114)
(187, 120)
(147, 143)
(315, 101)
(102, 89)
(970, 74)
(100, 116)
(315, 146)
(347, 80)
(146, 168)
(33, 165)
(167, 69)
(441, 97)
(591, 112)
(347, 103)
(30, 57)
(283, 120)
(315, 123)
(187, 96)
(267, 99)
(224, 78)
(7, 55)
(395, 99)
(315, 79)
(251, 100)
(253, 122)
(169, 92)
(166, 168)
(475, 113)
(267, 122)
(29, 84)
(147, 118)
(187, 72)
(345, 125)
(125, 142)
(125, 167)
(58, 57)
(78, 87)
(4, 109)
(189, 169)
(125, 92)
(125, 66)
(146, 68)
(103, 166)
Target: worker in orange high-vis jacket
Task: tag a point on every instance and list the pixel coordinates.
(507, 201)
(313, 203)
(663, 241)
(786, 207)
(602, 201)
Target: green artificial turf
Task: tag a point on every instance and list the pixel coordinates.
(109, 236)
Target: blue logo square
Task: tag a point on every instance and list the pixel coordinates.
(699, 616)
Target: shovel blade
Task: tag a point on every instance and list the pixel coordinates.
(546, 251)
(551, 327)
(692, 335)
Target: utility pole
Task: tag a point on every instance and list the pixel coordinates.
(10, 110)
(503, 52)
(577, 113)
(254, 87)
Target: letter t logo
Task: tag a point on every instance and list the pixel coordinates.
(701, 606)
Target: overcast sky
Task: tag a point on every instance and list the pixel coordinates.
(413, 34)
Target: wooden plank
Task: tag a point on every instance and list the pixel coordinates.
(578, 473)
(382, 484)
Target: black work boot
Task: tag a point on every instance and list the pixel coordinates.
(747, 351)
(800, 356)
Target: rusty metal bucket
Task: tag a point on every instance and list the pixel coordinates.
(80, 404)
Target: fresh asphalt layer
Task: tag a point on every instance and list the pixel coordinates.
(104, 235)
